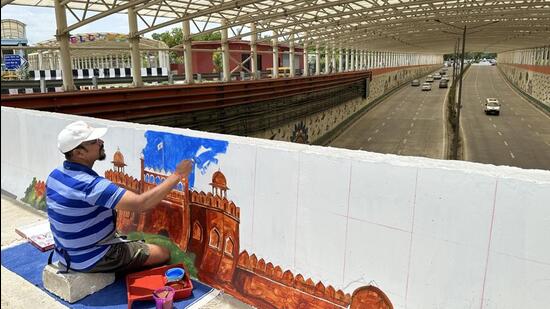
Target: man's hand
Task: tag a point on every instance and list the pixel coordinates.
(184, 168)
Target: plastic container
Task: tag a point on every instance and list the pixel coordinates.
(164, 297)
(141, 285)
(174, 274)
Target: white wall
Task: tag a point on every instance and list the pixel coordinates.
(429, 233)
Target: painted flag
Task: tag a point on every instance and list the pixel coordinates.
(160, 146)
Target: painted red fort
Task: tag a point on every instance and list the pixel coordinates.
(207, 224)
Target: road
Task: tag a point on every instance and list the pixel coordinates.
(410, 122)
(519, 136)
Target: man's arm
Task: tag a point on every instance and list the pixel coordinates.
(148, 200)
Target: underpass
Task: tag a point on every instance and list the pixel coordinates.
(409, 122)
(519, 136)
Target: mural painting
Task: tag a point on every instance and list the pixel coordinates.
(35, 194)
(206, 227)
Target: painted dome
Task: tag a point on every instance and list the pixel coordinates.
(118, 159)
(219, 181)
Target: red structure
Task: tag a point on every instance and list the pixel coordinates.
(207, 224)
(239, 51)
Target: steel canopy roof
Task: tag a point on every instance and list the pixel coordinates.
(379, 25)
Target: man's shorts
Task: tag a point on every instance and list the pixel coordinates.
(123, 257)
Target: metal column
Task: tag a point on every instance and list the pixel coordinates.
(62, 36)
(253, 51)
(225, 53)
(187, 52)
(134, 48)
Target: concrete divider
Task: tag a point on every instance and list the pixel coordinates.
(429, 233)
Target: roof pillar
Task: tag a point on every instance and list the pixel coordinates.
(275, 70)
(306, 60)
(317, 60)
(225, 53)
(253, 51)
(187, 52)
(62, 36)
(134, 48)
(292, 56)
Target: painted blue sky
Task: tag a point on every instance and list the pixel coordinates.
(166, 150)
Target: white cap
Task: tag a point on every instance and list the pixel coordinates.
(76, 133)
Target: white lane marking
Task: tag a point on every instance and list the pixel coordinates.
(529, 126)
(376, 131)
(409, 132)
(412, 124)
(505, 143)
(404, 141)
(512, 155)
(494, 125)
(368, 140)
(388, 118)
(537, 133)
(416, 113)
(383, 123)
(522, 119)
(499, 133)
(490, 119)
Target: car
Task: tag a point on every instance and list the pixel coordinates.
(492, 106)
(426, 87)
(437, 76)
(415, 82)
(443, 72)
(429, 79)
(443, 83)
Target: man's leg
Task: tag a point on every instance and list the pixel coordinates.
(157, 255)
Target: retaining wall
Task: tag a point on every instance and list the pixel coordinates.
(429, 233)
(314, 127)
(534, 80)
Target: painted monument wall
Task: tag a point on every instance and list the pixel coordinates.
(532, 79)
(311, 128)
(428, 233)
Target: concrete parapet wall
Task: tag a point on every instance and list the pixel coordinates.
(429, 233)
(534, 80)
(312, 128)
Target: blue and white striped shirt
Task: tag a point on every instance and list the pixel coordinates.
(80, 209)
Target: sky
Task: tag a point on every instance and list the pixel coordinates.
(40, 22)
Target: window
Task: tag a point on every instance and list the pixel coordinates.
(214, 239)
(228, 246)
(197, 231)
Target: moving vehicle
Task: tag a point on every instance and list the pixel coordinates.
(426, 87)
(415, 82)
(443, 83)
(492, 106)
(429, 79)
(437, 76)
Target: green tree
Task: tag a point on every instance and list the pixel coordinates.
(217, 60)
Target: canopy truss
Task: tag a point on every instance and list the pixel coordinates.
(379, 25)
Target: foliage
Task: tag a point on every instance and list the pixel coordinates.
(174, 37)
(476, 56)
(35, 194)
(176, 254)
(217, 60)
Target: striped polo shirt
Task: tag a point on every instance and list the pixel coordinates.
(80, 210)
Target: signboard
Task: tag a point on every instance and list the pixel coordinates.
(12, 62)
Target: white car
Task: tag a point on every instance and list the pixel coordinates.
(437, 76)
(429, 79)
(492, 106)
(426, 86)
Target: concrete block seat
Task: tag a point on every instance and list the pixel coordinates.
(73, 286)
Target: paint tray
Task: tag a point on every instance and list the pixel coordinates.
(141, 285)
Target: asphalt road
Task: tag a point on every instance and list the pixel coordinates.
(410, 122)
(519, 136)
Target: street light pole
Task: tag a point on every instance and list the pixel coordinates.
(459, 103)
